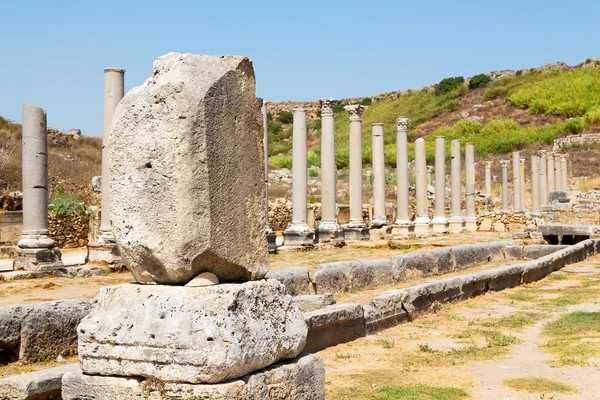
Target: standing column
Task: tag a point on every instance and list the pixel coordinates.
(543, 179)
(429, 175)
(271, 235)
(504, 164)
(557, 181)
(105, 249)
(522, 175)
(535, 185)
(378, 163)
(422, 221)
(356, 229)
(471, 217)
(36, 249)
(550, 173)
(298, 233)
(488, 178)
(563, 174)
(403, 226)
(457, 222)
(440, 222)
(328, 229)
(516, 164)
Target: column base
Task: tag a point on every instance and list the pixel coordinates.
(403, 230)
(104, 253)
(456, 225)
(440, 225)
(41, 259)
(329, 232)
(356, 233)
(471, 224)
(423, 227)
(271, 240)
(297, 237)
(379, 222)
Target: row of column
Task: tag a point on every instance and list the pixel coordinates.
(299, 234)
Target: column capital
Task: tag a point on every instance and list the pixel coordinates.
(543, 154)
(505, 163)
(299, 110)
(327, 106)
(521, 161)
(562, 157)
(402, 123)
(113, 69)
(355, 111)
(488, 164)
(429, 168)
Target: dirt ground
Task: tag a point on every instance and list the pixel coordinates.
(471, 349)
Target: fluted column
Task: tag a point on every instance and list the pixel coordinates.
(522, 175)
(328, 229)
(563, 174)
(550, 173)
(298, 233)
(378, 162)
(504, 164)
(488, 178)
(422, 221)
(356, 229)
(440, 222)
(471, 217)
(535, 185)
(543, 179)
(35, 247)
(516, 165)
(457, 222)
(403, 226)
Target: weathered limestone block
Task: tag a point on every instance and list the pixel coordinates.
(185, 166)
(190, 334)
(314, 302)
(38, 385)
(295, 279)
(332, 325)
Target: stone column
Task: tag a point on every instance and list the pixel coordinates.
(440, 222)
(328, 229)
(543, 179)
(522, 175)
(550, 173)
(557, 181)
(270, 234)
(429, 175)
(535, 185)
(471, 217)
(504, 164)
(488, 178)
(378, 163)
(105, 250)
(36, 251)
(457, 222)
(516, 165)
(298, 233)
(403, 226)
(563, 174)
(356, 229)
(422, 221)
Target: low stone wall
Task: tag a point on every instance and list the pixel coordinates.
(11, 225)
(584, 138)
(69, 230)
(586, 211)
(506, 221)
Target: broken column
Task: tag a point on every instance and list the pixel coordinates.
(35, 251)
(298, 233)
(378, 162)
(522, 175)
(440, 222)
(504, 164)
(422, 221)
(535, 185)
(471, 217)
(269, 233)
(563, 174)
(543, 179)
(105, 249)
(328, 229)
(356, 229)
(516, 165)
(457, 222)
(403, 226)
(488, 178)
(194, 125)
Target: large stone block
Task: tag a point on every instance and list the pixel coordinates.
(38, 385)
(295, 279)
(190, 334)
(187, 181)
(300, 379)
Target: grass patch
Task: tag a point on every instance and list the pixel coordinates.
(515, 322)
(521, 296)
(573, 339)
(386, 343)
(538, 384)
(420, 392)
(571, 297)
(504, 86)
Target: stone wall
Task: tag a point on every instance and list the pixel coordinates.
(11, 225)
(69, 231)
(585, 138)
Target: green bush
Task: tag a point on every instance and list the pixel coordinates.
(286, 117)
(269, 117)
(478, 81)
(274, 127)
(338, 108)
(593, 116)
(342, 158)
(281, 161)
(313, 172)
(367, 101)
(505, 85)
(64, 206)
(313, 158)
(449, 85)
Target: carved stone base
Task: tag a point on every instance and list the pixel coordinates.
(103, 253)
(329, 233)
(271, 241)
(403, 231)
(44, 259)
(423, 227)
(293, 238)
(457, 225)
(471, 225)
(356, 234)
(440, 225)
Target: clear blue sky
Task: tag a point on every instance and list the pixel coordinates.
(54, 52)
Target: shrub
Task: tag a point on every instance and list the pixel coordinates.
(593, 116)
(286, 117)
(478, 81)
(313, 159)
(313, 172)
(274, 127)
(342, 158)
(573, 127)
(269, 117)
(64, 206)
(449, 85)
(505, 85)
(281, 161)
(367, 101)
(338, 108)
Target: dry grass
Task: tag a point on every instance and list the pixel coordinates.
(18, 367)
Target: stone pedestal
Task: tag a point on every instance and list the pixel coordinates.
(422, 221)
(299, 234)
(471, 217)
(328, 230)
(378, 162)
(36, 251)
(440, 222)
(457, 222)
(403, 226)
